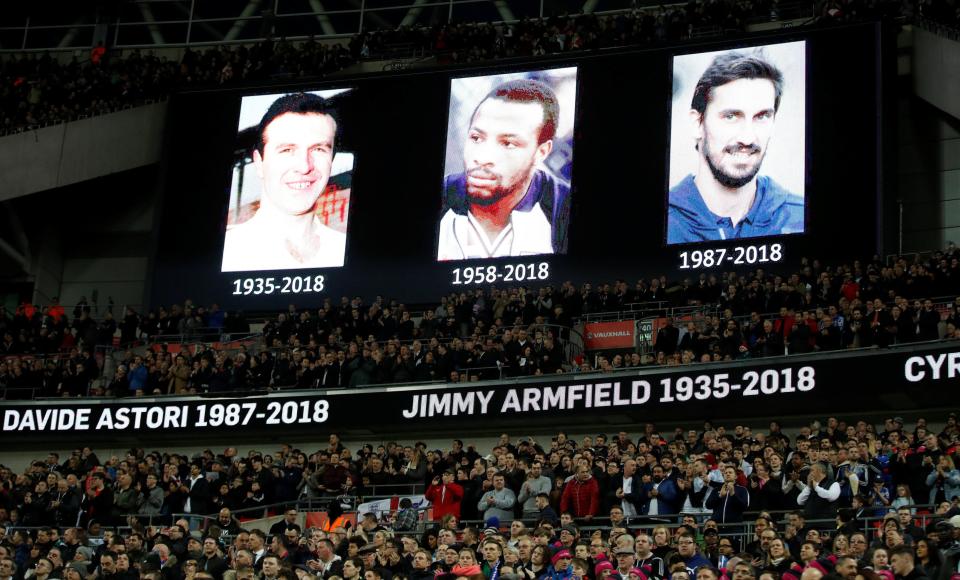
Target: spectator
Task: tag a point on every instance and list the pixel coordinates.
(445, 495)
(944, 481)
(581, 495)
(819, 494)
(730, 500)
(498, 502)
(535, 484)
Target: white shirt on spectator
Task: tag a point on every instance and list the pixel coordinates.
(829, 493)
(629, 510)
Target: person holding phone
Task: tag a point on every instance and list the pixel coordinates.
(445, 495)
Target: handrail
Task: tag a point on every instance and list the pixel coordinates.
(743, 529)
(937, 301)
(363, 16)
(507, 381)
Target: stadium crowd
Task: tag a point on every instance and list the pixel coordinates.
(484, 334)
(37, 90)
(837, 499)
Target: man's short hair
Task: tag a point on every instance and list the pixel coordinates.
(710, 569)
(902, 550)
(733, 66)
(326, 542)
(529, 91)
(297, 103)
(748, 568)
(542, 532)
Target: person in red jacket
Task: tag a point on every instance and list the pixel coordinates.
(445, 496)
(581, 495)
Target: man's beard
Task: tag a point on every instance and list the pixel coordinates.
(498, 192)
(502, 188)
(724, 178)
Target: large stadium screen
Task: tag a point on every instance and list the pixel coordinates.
(685, 162)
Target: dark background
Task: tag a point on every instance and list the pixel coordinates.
(397, 127)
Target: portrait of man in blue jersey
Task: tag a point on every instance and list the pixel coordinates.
(732, 115)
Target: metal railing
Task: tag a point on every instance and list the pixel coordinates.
(248, 26)
(637, 310)
(948, 31)
(156, 25)
(743, 531)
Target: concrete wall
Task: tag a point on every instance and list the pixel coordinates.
(929, 175)
(122, 278)
(936, 70)
(82, 150)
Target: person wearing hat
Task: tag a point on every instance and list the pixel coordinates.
(560, 568)
(368, 555)
(568, 537)
(84, 555)
(625, 562)
(603, 569)
(447, 559)
(490, 532)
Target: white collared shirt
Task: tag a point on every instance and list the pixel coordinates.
(254, 246)
(627, 506)
(528, 233)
